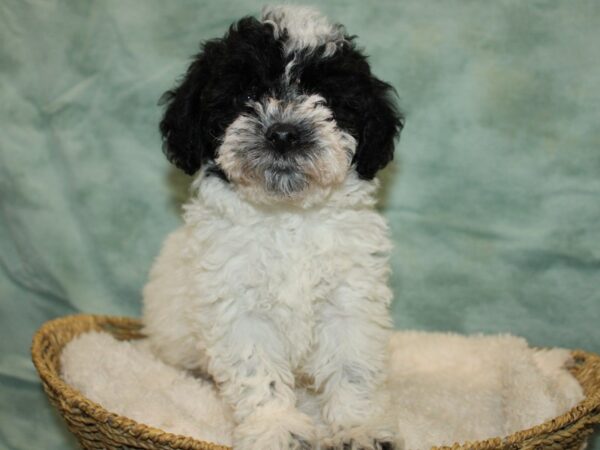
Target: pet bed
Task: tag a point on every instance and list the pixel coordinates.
(95, 427)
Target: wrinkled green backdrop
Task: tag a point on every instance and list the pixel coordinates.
(493, 202)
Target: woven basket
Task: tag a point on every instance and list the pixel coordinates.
(96, 428)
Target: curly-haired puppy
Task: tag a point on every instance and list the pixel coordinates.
(276, 284)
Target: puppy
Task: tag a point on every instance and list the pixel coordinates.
(277, 283)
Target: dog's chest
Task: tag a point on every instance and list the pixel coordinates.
(298, 262)
(282, 268)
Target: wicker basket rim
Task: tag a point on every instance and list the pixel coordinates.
(588, 408)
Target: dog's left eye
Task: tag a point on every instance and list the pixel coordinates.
(242, 101)
(246, 97)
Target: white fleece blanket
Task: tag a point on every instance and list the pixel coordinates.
(449, 388)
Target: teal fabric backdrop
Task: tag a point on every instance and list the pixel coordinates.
(493, 200)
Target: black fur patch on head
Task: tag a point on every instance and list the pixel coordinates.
(249, 62)
(214, 90)
(361, 104)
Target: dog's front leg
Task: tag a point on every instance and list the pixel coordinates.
(350, 371)
(248, 361)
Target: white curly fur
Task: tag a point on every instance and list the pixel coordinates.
(262, 297)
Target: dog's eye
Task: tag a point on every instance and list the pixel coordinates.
(244, 98)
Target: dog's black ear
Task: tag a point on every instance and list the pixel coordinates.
(381, 124)
(181, 130)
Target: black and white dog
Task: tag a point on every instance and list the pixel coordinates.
(277, 283)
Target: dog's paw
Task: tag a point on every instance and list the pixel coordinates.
(361, 438)
(275, 429)
(377, 445)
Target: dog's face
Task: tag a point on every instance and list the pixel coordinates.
(282, 107)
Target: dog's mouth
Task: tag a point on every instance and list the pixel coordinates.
(285, 180)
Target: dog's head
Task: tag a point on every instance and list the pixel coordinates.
(281, 106)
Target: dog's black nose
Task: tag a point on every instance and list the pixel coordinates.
(282, 135)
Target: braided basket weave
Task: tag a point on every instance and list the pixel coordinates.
(97, 428)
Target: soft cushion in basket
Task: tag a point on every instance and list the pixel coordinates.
(448, 387)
